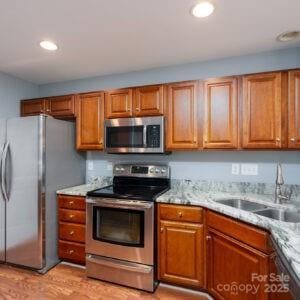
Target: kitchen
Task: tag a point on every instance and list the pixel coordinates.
(155, 174)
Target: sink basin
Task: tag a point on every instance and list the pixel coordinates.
(281, 215)
(242, 204)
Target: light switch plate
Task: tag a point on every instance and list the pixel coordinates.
(249, 169)
(235, 169)
(90, 166)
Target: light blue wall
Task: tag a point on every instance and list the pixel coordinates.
(209, 165)
(266, 61)
(12, 90)
(196, 165)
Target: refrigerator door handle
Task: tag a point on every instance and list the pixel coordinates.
(3, 172)
(1, 178)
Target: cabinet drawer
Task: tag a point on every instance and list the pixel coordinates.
(247, 234)
(71, 202)
(181, 213)
(71, 251)
(73, 216)
(72, 232)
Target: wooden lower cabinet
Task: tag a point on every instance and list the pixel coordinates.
(71, 228)
(181, 253)
(231, 266)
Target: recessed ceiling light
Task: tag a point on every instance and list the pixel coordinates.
(288, 36)
(48, 45)
(203, 9)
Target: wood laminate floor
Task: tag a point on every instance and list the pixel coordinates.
(68, 282)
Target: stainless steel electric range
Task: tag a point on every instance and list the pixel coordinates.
(120, 226)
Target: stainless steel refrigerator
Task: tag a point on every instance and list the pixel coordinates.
(38, 157)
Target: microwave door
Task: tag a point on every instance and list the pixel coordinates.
(125, 137)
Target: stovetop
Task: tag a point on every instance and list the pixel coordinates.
(146, 189)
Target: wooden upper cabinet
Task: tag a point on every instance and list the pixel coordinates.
(148, 101)
(61, 106)
(90, 121)
(182, 122)
(294, 110)
(221, 113)
(118, 103)
(33, 107)
(262, 111)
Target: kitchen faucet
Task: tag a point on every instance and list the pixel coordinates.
(280, 197)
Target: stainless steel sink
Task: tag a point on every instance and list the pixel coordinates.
(242, 204)
(281, 215)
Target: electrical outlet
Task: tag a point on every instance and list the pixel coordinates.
(235, 169)
(90, 166)
(249, 169)
(109, 166)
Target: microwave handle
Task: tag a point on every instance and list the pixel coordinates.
(145, 136)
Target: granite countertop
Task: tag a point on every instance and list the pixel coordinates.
(205, 194)
(286, 235)
(81, 190)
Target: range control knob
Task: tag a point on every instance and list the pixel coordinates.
(122, 169)
(163, 171)
(117, 169)
(151, 170)
(157, 170)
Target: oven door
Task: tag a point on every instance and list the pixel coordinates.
(121, 229)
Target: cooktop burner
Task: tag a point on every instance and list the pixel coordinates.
(147, 193)
(140, 182)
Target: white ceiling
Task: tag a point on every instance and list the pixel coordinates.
(98, 37)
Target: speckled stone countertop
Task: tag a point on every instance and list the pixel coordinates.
(205, 194)
(81, 190)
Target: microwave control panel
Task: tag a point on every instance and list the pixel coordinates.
(153, 136)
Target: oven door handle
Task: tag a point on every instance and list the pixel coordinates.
(114, 203)
(131, 267)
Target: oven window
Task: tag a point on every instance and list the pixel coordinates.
(118, 226)
(124, 136)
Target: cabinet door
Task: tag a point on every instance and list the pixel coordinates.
(182, 128)
(118, 104)
(262, 111)
(33, 107)
(221, 112)
(294, 110)
(181, 256)
(62, 106)
(231, 265)
(149, 101)
(90, 121)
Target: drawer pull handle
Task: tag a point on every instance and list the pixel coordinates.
(180, 214)
(72, 232)
(71, 251)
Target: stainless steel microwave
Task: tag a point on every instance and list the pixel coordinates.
(135, 135)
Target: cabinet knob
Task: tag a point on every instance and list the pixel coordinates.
(208, 237)
(71, 232)
(71, 216)
(277, 140)
(71, 202)
(293, 139)
(161, 229)
(137, 109)
(180, 214)
(71, 251)
(48, 109)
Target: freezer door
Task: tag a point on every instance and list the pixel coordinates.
(2, 202)
(24, 186)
